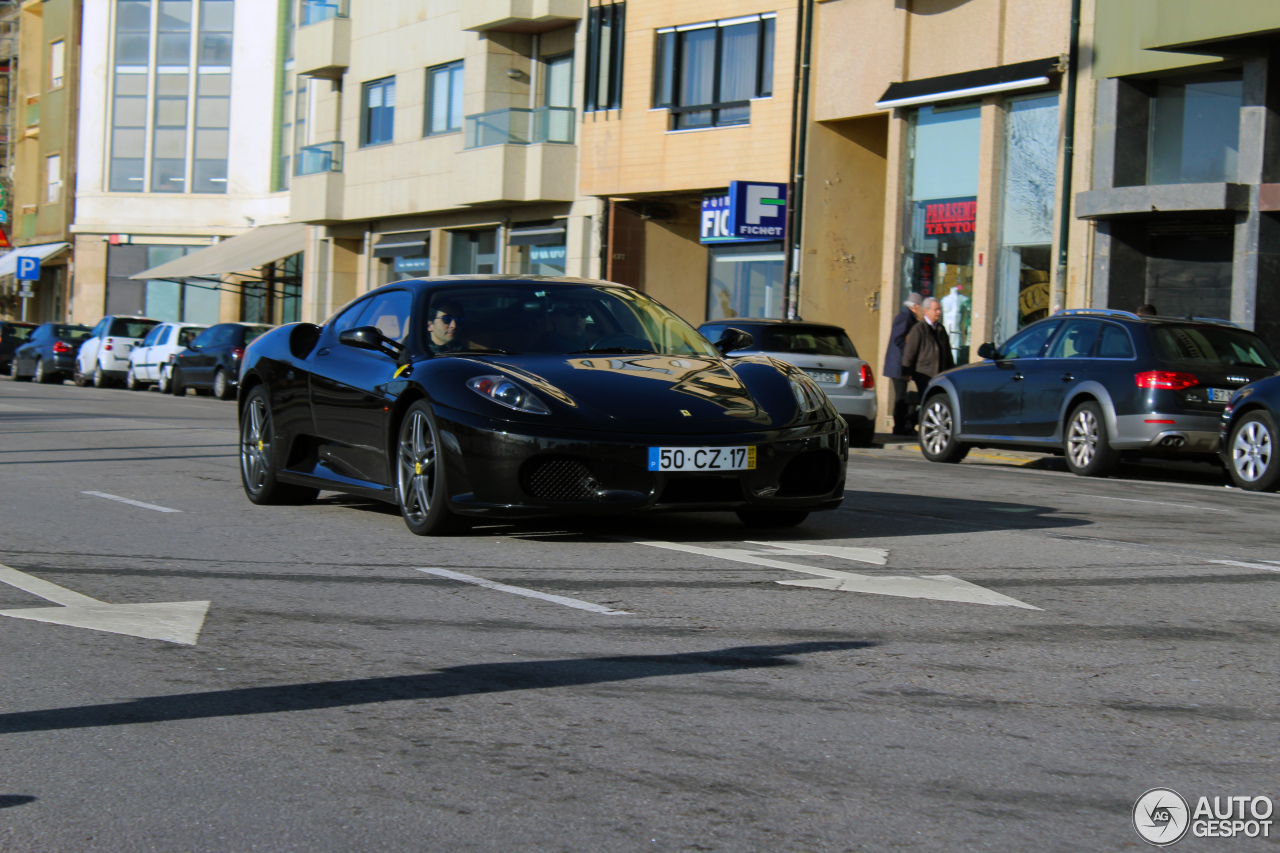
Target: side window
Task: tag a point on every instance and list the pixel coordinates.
(101, 328)
(203, 339)
(226, 335)
(166, 332)
(389, 312)
(1029, 343)
(1114, 342)
(1076, 340)
(150, 339)
(347, 319)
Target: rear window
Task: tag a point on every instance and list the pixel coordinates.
(812, 340)
(188, 334)
(122, 328)
(1216, 344)
(19, 333)
(72, 333)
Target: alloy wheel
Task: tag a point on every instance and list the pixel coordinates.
(936, 427)
(220, 385)
(1082, 438)
(39, 374)
(99, 380)
(417, 466)
(255, 444)
(1251, 451)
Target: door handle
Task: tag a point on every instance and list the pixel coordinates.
(1017, 377)
(324, 351)
(1067, 377)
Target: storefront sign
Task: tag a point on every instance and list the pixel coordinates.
(751, 211)
(547, 254)
(925, 272)
(950, 216)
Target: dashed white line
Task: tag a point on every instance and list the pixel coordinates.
(527, 593)
(131, 502)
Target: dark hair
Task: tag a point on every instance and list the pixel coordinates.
(1146, 309)
(445, 306)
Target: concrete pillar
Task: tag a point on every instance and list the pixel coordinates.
(90, 286)
(986, 238)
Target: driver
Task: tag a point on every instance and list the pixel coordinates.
(446, 327)
(568, 326)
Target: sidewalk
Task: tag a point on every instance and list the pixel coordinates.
(889, 446)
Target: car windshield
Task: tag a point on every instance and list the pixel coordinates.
(72, 333)
(187, 335)
(559, 319)
(122, 328)
(809, 340)
(1218, 344)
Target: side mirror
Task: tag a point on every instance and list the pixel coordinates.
(733, 339)
(988, 350)
(368, 337)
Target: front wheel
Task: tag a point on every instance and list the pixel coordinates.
(1253, 446)
(939, 430)
(40, 375)
(1089, 450)
(163, 384)
(774, 518)
(99, 378)
(131, 380)
(221, 387)
(420, 476)
(259, 457)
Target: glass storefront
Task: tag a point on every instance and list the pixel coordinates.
(539, 248)
(1026, 222)
(942, 202)
(473, 252)
(745, 280)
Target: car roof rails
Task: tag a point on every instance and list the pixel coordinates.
(1217, 321)
(1098, 312)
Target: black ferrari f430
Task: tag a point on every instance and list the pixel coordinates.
(503, 397)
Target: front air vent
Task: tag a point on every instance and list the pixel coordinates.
(559, 479)
(809, 475)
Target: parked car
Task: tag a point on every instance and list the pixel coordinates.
(1250, 436)
(104, 358)
(211, 362)
(13, 333)
(151, 361)
(825, 353)
(49, 355)
(1093, 383)
(513, 397)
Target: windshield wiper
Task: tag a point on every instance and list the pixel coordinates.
(626, 350)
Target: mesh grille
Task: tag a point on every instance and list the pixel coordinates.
(559, 480)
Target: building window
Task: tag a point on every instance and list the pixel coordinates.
(444, 98)
(473, 252)
(539, 247)
(53, 179)
(1195, 129)
(57, 63)
(707, 74)
(189, 147)
(377, 121)
(606, 26)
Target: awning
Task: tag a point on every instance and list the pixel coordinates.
(404, 244)
(970, 84)
(9, 262)
(241, 253)
(537, 234)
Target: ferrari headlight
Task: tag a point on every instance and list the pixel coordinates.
(809, 397)
(507, 392)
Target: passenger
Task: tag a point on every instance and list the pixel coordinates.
(568, 327)
(1147, 310)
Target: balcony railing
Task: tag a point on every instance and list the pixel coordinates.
(518, 126)
(315, 11)
(315, 159)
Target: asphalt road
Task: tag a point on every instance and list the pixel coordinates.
(1111, 636)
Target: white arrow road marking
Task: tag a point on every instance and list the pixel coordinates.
(875, 556)
(170, 621)
(1264, 568)
(130, 502)
(938, 587)
(527, 593)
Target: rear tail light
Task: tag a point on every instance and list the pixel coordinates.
(868, 378)
(60, 348)
(108, 345)
(237, 353)
(1166, 379)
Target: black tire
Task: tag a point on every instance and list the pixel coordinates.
(259, 457)
(175, 385)
(100, 379)
(132, 382)
(163, 385)
(421, 491)
(939, 430)
(40, 375)
(1252, 445)
(221, 387)
(1086, 443)
(774, 518)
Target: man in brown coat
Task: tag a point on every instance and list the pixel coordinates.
(927, 351)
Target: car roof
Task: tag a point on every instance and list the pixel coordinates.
(768, 321)
(1154, 319)
(509, 279)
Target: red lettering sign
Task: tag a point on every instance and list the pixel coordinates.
(950, 217)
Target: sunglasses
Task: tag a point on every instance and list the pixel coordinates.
(450, 319)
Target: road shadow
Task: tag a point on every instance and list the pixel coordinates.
(442, 684)
(8, 801)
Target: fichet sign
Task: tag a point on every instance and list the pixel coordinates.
(751, 212)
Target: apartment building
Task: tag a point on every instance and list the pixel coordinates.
(437, 138)
(939, 161)
(686, 136)
(1186, 186)
(177, 152)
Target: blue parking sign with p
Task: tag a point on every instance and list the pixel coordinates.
(28, 269)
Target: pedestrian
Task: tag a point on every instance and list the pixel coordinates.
(927, 351)
(1146, 310)
(903, 399)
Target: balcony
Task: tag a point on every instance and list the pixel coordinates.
(518, 16)
(317, 159)
(323, 45)
(518, 126)
(500, 174)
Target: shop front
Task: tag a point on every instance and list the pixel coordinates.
(744, 232)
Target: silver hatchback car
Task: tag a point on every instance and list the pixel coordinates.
(825, 353)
